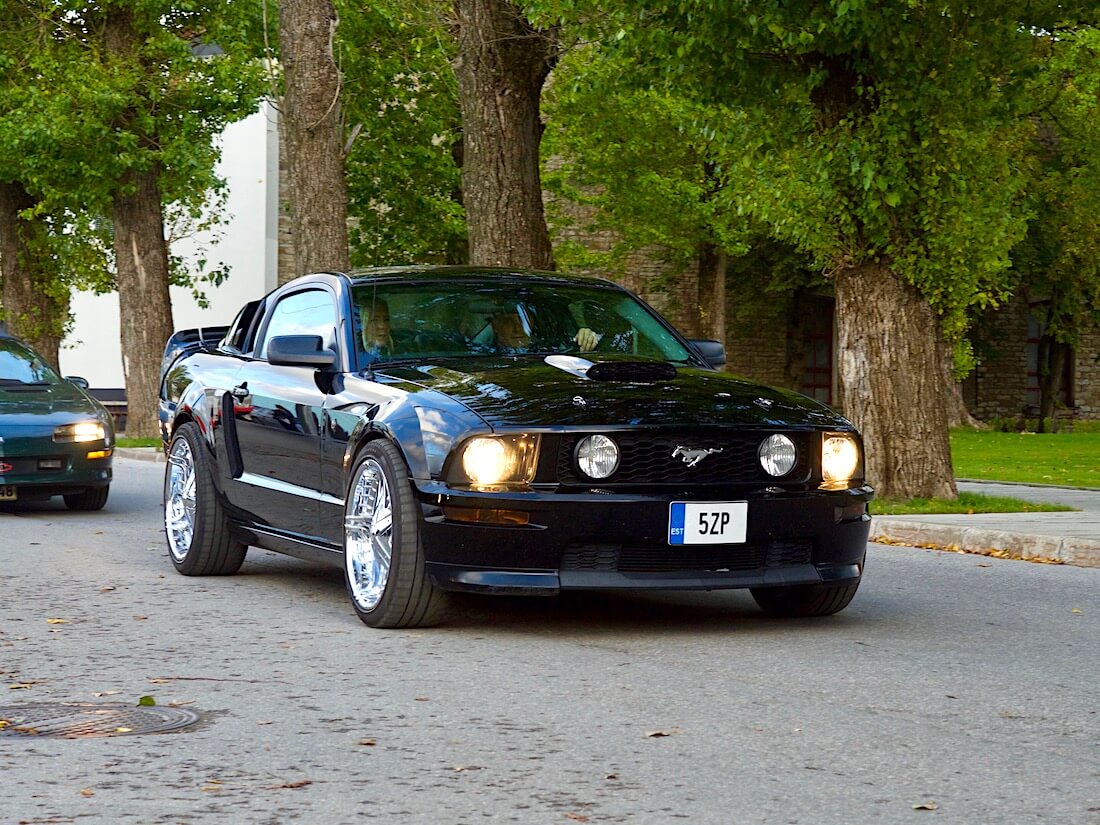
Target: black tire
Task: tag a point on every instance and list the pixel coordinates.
(408, 598)
(90, 498)
(212, 549)
(805, 600)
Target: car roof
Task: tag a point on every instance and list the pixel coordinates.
(486, 273)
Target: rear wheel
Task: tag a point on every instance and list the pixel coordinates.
(805, 600)
(90, 498)
(383, 556)
(199, 538)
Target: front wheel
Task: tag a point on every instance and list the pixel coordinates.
(90, 498)
(200, 541)
(383, 556)
(805, 600)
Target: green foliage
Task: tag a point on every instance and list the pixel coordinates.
(1059, 261)
(401, 104)
(889, 132)
(77, 113)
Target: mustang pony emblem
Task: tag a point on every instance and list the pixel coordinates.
(5, 468)
(692, 457)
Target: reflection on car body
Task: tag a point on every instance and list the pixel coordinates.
(423, 454)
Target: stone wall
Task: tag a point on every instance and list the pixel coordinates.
(998, 386)
(1086, 372)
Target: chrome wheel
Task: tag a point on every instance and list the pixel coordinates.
(179, 499)
(368, 535)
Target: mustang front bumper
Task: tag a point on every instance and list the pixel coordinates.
(606, 540)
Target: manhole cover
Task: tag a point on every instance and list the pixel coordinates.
(82, 720)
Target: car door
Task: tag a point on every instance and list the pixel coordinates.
(277, 421)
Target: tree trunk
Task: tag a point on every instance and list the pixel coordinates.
(1052, 364)
(501, 65)
(895, 381)
(36, 307)
(312, 125)
(712, 292)
(957, 413)
(145, 309)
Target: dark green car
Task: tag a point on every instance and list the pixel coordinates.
(55, 439)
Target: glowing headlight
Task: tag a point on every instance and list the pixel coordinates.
(597, 456)
(500, 459)
(839, 458)
(777, 455)
(80, 432)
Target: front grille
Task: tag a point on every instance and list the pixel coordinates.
(647, 458)
(657, 558)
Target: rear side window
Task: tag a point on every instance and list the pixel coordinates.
(238, 339)
(303, 313)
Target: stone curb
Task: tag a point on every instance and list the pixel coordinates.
(1029, 484)
(1062, 550)
(139, 453)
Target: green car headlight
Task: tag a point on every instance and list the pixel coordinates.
(80, 432)
(839, 458)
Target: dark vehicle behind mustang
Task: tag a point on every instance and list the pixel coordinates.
(55, 439)
(441, 430)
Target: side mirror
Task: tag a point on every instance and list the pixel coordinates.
(299, 351)
(80, 382)
(712, 351)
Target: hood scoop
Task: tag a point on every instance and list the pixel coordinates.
(628, 372)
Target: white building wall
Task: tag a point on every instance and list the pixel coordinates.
(248, 245)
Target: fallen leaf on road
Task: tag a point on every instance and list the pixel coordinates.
(157, 681)
(57, 621)
(21, 686)
(421, 699)
(612, 776)
(140, 618)
(369, 743)
(1076, 610)
(462, 768)
(656, 734)
(106, 693)
(212, 786)
(87, 792)
(926, 806)
(985, 565)
(301, 783)
(4, 723)
(265, 722)
(105, 589)
(147, 702)
(181, 704)
(576, 817)
(123, 730)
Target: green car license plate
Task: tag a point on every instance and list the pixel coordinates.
(8, 493)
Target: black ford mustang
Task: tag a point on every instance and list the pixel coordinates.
(467, 429)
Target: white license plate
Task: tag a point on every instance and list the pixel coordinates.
(707, 522)
(8, 493)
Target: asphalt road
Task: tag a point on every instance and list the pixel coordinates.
(957, 682)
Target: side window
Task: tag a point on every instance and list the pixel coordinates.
(303, 313)
(237, 339)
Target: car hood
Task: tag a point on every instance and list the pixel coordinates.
(34, 406)
(552, 391)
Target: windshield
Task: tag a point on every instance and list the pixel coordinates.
(21, 365)
(470, 318)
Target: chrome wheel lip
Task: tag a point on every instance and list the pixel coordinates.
(368, 535)
(179, 499)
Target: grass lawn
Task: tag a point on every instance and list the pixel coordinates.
(968, 503)
(1070, 459)
(137, 442)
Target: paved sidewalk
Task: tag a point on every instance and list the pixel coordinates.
(1070, 538)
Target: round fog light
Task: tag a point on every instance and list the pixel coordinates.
(597, 456)
(777, 455)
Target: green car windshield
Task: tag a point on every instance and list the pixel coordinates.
(439, 320)
(21, 365)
